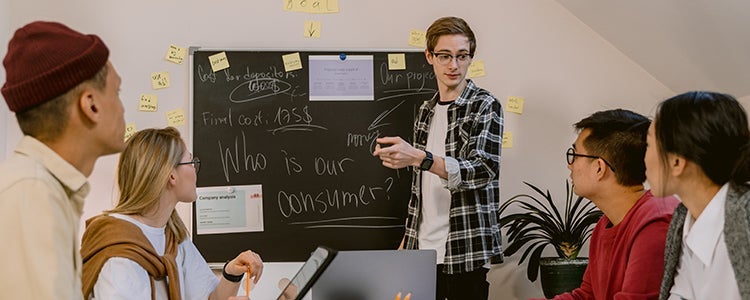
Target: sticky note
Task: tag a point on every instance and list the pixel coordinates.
(219, 61)
(176, 117)
(507, 139)
(417, 38)
(312, 29)
(129, 130)
(396, 61)
(514, 104)
(148, 103)
(176, 54)
(160, 80)
(312, 6)
(292, 62)
(476, 69)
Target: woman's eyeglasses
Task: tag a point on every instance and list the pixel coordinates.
(571, 156)
(195, 162)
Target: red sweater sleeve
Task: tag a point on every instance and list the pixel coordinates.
(645, 263)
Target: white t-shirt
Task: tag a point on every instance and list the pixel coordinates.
(122, 278)
(705, 271)
(436, 199)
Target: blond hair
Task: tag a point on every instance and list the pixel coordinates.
(143, 171)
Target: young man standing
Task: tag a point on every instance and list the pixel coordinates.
(65, 95)
(626, 256)
(456, 161)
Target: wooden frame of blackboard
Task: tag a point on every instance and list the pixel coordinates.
(362, 224)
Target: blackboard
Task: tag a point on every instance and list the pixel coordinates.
(254, 123)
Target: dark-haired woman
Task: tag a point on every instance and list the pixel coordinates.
(698, 150)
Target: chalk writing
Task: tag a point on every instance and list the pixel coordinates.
(395, 222)
(248, 161)
(297, 203)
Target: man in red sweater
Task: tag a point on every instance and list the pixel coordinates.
(626, 255)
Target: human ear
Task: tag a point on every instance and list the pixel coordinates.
(88, 105)
(428, 56)
(601, 169)
(677, 164)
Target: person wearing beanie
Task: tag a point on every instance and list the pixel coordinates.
(64, 93)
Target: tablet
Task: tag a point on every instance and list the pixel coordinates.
(307, 274)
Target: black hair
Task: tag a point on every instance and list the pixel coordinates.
(619, 137)
(709, 129)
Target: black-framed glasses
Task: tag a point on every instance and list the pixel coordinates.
(571, 156)
(195, 162)
(446, 58)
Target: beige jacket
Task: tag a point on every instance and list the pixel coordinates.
(41, 202)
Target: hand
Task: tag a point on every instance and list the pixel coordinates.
(398, 154)
(398, 296)
(247, 260)
(288, 288)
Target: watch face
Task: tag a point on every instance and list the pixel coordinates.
(427, 162)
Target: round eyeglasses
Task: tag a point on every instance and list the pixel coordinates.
(195, 162)
(571, 157)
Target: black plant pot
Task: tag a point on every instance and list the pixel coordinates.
(560, 275)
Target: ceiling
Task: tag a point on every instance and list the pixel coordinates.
(684, 44)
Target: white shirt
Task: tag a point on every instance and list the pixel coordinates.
(122, 278)
(436, 199)
(705, 271)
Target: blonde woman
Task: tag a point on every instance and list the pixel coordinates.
(698, 150)
(140, 249)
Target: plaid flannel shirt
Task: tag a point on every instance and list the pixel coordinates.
(474, 139)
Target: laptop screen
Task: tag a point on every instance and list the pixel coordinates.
(378, 275)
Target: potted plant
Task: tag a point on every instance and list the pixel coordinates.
(541, 224)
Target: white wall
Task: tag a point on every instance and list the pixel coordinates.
(5, 33)
(533, 49)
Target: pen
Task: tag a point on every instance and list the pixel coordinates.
(247, 283)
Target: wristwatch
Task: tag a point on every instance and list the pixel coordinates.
(426, 162)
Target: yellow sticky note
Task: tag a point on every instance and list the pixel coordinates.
(417, 38)
(476, 69)
(312, 6)
(396, 61)
(176, 54)
(507, 139)
(312, 29)
(148, 103)
(129, 130)
(160, 80)
(219, 61)
(176, 117)
(292, 62)
(514, 104)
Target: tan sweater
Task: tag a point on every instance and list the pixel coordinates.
(107, 236)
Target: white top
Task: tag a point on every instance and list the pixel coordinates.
(122, 278)
(436, 199)
(705, 271)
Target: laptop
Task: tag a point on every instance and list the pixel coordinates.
(378, 275)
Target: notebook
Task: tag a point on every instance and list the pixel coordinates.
(378, 275)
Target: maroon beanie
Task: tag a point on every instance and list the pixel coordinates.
(46, 60)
